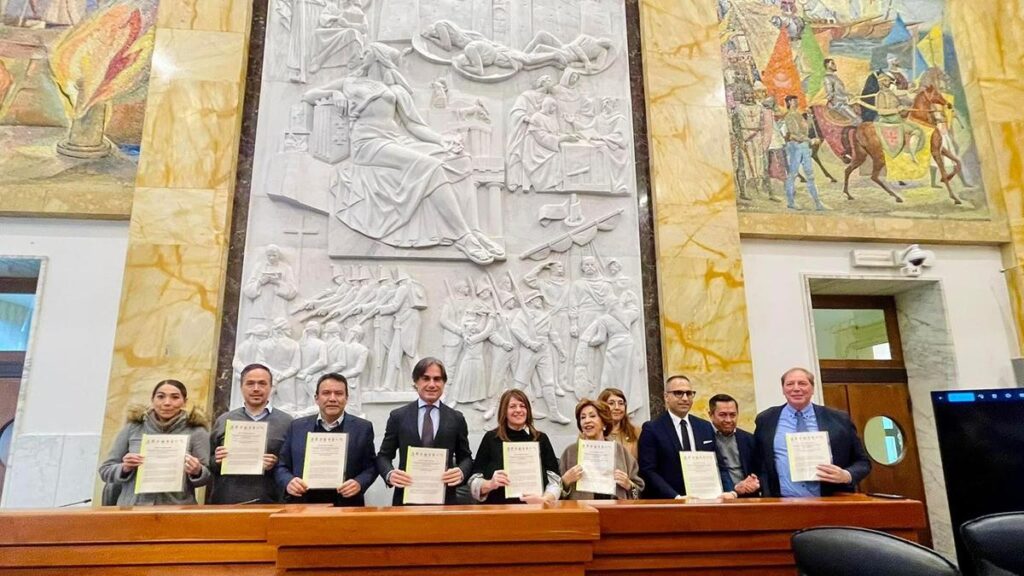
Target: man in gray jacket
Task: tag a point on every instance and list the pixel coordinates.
(257, 386)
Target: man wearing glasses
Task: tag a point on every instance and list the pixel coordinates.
(663, 438)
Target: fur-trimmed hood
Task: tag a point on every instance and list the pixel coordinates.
(196, 417)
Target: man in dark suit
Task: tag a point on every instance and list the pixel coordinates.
(663, 438)
(850, 462)
(428, 423)
(360, 468)
(736, 450)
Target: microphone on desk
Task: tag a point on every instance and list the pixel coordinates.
(86, 501)
(253, 501)
(886, 496)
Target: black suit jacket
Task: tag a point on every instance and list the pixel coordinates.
(748, 459)
(658, 454)
(847, 449)
(360, 464)
(401, 432)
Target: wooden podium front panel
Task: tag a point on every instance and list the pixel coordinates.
(150, 540)
(444, 540)
(737, 537)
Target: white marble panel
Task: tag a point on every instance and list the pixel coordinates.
(930, 360)
(78, 465)
(422, 169)
(34, 473)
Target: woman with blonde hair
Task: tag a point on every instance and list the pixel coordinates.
(623, 431)
(166, 414)
(594, 420)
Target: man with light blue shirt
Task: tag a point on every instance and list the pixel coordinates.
(850, 462)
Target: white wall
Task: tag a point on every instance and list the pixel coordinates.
(63, 395)
(977, 307)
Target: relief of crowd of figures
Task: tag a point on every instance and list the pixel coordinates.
(457, 171)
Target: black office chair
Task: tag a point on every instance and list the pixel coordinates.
(835, 551)
(996, 543)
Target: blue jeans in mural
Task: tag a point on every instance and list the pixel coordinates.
(798, 154)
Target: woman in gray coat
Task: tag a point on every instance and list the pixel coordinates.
(165, 415)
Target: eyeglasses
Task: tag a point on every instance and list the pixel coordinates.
(680, 394)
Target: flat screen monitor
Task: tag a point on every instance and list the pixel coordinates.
(981, 440)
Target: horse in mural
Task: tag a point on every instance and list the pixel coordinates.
(855, 144)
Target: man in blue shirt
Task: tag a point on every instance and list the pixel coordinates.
(850, 462)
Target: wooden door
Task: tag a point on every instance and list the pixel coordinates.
(866, 401)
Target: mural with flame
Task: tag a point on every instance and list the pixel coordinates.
(73, 82)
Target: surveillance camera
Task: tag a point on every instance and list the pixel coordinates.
(913, 259)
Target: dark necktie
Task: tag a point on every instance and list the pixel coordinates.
(427, 433)
(684, 435)
(801, 423)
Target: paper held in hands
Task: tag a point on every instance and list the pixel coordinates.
(521, 463)
(701, 475)
(806, 451)
(324, 466)
(426, 466)
(246, 443)
(598, 460)
(163, 469)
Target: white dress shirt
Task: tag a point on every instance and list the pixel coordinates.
(689, 429)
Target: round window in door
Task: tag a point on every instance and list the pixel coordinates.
(883, 439)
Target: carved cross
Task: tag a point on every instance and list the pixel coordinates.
(301, 232)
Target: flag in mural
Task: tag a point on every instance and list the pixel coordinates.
(879, 94)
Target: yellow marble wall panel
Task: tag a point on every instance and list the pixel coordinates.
(700, 276)
(217, 15)
(60, 202)
(168, 324)
(198, 55)
(701, 299)
(171, 301)
(193, 216)
(191, 131)
(678, 234)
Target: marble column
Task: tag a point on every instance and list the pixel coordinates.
(700, 273)
(167, 326)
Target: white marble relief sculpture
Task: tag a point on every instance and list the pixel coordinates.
(470, 384)
(281, 354)
(535, 371)
(404, 150)
(557, 142)
(356, 356)
(589, 298)
(271, 286)
(549, 279)
(321, 34)
(504, 352)
(482, 59)
(313, 361)
(409, 193)
(455, 307)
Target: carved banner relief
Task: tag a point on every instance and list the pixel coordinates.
(450, 178)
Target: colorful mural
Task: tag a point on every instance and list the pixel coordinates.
(848, 106)
(73, 79)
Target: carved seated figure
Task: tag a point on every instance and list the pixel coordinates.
(406, 185)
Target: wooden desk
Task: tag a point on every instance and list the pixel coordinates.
(143, 541)
(443, 540)
(743, 537)
(738, 537)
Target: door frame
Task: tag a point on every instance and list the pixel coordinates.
(24, 286)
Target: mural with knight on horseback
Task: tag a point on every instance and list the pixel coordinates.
(877, 84)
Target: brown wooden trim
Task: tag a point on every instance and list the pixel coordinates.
(887, 304)
(11, 285)
(863, 375)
